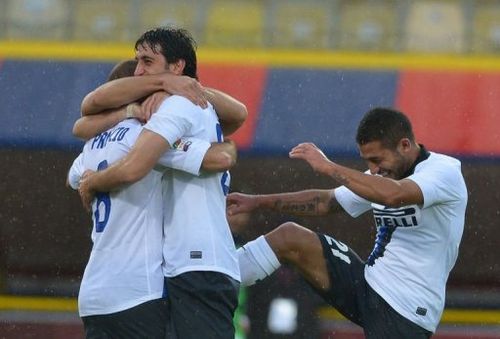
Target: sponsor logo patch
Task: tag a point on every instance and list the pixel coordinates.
(195, 255)
(421, 311)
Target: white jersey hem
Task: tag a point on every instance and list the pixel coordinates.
(122, 307)
(182, 270)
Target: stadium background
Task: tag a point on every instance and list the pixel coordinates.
(307, 71)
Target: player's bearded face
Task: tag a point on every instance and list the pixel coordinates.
(389, 163)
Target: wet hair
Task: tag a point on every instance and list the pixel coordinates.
(123, 69)
(175, 44)
(386, 125)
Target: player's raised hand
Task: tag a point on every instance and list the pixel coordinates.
(86, 194)
(241, 203)
(313, 155)
(185, 86)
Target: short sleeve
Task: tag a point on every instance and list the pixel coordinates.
(351, 202)
(174, 118)
(186, 155)
(440, 182)
(76, 172)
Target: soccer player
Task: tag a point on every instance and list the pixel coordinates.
(201, 264)
(418, 199)
(122, 292)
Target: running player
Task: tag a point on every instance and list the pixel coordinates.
(418, 199)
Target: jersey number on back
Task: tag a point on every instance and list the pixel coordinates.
(103, 204)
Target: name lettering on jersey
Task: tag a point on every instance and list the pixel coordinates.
(387, 220)
(405, 217)
(102, 139)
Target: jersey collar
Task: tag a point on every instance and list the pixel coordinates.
(422, 155)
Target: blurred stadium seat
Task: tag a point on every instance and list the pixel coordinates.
(3, 19)
(36, 19)
(103, 20)
(300, 24)
(186, 14)
(486, 23)
(435, 26)
(368, 25)
(235, 23)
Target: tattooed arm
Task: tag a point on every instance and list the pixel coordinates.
(374, 188)
(305, 203)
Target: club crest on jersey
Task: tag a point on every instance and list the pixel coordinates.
(407, 216)
(181, 145)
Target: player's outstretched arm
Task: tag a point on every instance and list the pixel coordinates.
(220, 157)
(87, 127)
(374, 188)
(232, 113)
(305, 203)
(120, 92)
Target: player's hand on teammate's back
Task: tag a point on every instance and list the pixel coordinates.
(185, 86)
(134, 110)
(313, 155)
(240, 203)
(151, 104)
(86, 194)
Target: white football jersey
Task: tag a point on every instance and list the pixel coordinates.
(416, 246)
(197, 234)
(125, 265)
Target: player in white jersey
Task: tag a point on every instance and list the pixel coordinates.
(418, 199)
(125, 265)
(202, 268)
(123, 284)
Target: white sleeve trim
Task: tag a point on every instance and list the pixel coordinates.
(75, 172)
(186, 155)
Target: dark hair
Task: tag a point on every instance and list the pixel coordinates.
(386, 125)
(123, 69)
(175, 44)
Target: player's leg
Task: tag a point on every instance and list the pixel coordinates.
(300, 247)
(329, 266)
(289, 243)
(202, 305)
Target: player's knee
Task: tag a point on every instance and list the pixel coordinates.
(290, 239)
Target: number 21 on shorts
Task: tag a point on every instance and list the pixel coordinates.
(338, 249)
